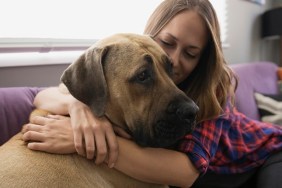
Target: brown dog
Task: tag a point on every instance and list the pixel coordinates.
(125, 77)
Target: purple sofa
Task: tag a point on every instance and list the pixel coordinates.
(16, 103)
(258, 77)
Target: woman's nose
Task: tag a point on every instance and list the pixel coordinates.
(174, 57)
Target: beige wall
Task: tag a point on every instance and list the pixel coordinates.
(245, 43)
(245, 46)
(34, 76)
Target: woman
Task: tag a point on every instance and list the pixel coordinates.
(224, 143)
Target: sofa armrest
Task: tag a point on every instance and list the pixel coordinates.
(16, 103)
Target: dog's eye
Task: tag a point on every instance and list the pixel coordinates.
(143, 76)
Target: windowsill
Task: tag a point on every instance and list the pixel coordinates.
(9, 45)
(38, 52)
(36, 59)
(44, 58)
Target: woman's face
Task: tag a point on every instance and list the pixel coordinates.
(183, 39)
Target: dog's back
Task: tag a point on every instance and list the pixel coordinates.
(21, 167)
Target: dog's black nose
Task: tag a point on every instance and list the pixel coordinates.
(183, 110)
(179, 120)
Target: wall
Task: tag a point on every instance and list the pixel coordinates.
(31, 75)
(245, 45)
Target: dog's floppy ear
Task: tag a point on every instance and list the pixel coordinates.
(85, 80)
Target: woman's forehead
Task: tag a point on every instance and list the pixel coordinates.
(188, 26)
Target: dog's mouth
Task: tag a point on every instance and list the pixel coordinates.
(168, 133)
(178, 120)
(165, 134)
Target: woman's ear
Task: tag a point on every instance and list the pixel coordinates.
(85, 79)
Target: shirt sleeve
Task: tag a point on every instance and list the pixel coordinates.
(202, 143)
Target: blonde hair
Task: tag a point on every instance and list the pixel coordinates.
(210, 83)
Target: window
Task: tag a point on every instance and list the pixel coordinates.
(64, 25)
(73, 19)
(221, 11)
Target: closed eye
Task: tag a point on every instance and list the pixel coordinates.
(190, 55)
(166, 43)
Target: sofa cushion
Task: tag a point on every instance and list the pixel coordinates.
(15, 106)
(270, 107)
(253, 77)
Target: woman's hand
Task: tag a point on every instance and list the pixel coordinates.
(52, 134)
(93, 136)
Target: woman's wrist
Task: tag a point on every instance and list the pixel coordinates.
(74, 105)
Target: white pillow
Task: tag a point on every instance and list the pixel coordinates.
(270, 107)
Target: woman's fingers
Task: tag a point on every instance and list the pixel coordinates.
(101, 147)
(93, 136)
(58, 117)
(78, 142)
(78, 122)
(31, 127)
(32, 131)
(33, 136)
(39, 120)
(50, 134)
(89, 143)
(37, 124)
(97, 140)
(113, 149)
(100, 141)
(38, 146)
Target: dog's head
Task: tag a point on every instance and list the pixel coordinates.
(127, 78)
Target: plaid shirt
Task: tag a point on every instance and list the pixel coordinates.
(232, 143)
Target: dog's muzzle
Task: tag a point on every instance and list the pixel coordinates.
(178, 120)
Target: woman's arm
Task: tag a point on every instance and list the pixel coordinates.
(155, 165)
(54, 101)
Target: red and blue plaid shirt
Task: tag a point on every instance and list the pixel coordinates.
(232, 143)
